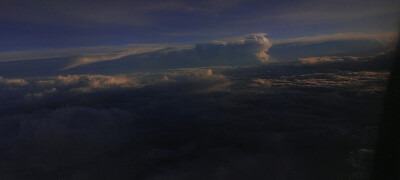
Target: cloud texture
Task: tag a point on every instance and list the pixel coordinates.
(240, 51)
(196, 123)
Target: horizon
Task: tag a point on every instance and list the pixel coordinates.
(210, 89)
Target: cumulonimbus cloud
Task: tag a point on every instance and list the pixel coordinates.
(261, 44)
(256, 43)
(246, 50)
(237, 51)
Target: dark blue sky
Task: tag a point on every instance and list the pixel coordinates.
(41, 24)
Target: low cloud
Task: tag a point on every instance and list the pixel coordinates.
(185, 81)
(218, 121)
(196, 80)
(384, 38)
(325, 59)
(42, 93)
(89, 83)
(15, 81)
(360, 82)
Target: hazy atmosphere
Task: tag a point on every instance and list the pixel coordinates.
(209, 89)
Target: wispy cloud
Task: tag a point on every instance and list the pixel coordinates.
(92, 58)
(324, 59)
(384, 37)
(79, 51)
(362, 81)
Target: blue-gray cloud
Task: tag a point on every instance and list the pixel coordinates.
(246, 50)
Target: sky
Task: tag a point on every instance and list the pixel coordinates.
(41, 24)
(212, 89)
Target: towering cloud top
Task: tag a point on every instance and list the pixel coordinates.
(245, 50)
(262, 45)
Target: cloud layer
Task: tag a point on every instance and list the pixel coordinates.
(196, 123)
(387, 38)
(325, 59)
(240, 51)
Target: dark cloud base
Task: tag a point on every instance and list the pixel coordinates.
(292, 51)
(284, 121)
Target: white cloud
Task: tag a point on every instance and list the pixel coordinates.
(262, 43)
(257, 43)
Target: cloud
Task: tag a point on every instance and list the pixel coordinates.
(325, 59)
(55, 89)
(346, 44)
(262, 45)
(89, 83)
(243, 48)
(41, 94)
(15, 81)
(246, 50)
(108, 56)
(212, 122)
(195, 80)
(202, 78)
(107, 52)
(360, 82)
(383, 37)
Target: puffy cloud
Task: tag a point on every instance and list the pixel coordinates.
(203, 77)
(55, 89)
(262, 45)
(190, 117)
(88, 83)
(235, 118)
(15, 81)
(256, 43)
(187, 81)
